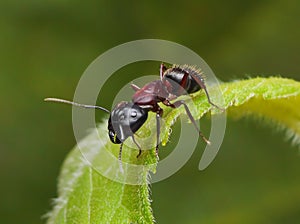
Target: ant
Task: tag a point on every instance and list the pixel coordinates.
(127, 117)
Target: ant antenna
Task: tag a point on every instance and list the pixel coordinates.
(76, 104)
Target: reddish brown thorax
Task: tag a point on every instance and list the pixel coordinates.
(150, 95)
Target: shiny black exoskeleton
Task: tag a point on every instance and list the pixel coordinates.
(127, 117)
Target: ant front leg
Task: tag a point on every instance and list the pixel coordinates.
(188, 112)
(139, 147)
(120, 158)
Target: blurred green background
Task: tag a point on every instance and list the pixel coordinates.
(46, 45)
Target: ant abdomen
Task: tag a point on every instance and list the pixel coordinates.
(183, 80)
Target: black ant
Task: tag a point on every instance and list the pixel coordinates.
(127, 117)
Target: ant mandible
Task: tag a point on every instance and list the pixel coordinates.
(127, 117)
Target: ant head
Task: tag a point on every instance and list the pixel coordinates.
(125, 119)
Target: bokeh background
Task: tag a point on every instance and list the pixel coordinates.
(46, 45)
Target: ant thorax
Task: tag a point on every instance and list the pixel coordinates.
(149, 95)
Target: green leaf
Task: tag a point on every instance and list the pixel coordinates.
(86, 196)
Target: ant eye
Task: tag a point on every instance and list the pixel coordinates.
(133, 113)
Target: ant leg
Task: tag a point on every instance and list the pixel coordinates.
(159, 114)
(135, 87)
(162, 70)
(178, 104)
(203, 86)
(157, 133)
(120, 158)
(140, 153)
(139, 147)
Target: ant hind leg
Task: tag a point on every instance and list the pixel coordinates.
(203, 86)
(188, 112)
